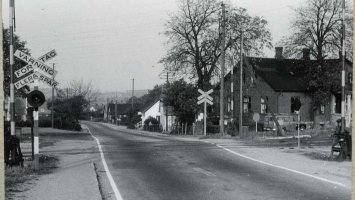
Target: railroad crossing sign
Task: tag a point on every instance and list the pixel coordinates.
(205, 98)
(36, 63)
(36, 75)
(37, 67)
(28, 68)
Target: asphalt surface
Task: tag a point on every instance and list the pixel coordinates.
(157, 167)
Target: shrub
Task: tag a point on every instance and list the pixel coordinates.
(151, 120)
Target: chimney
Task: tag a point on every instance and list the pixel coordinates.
(278, 53)
(306, 54)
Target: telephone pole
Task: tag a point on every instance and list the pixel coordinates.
(132, 92)
(343, 70)
(232, 94)
(166, 106)
(241, 86)
(221, 122)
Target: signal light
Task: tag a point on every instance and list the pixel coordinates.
(36, 98)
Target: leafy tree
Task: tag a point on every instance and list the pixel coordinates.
(317, 26)
(183, 97)
(18, 45)
(194, 37)
(69, 110)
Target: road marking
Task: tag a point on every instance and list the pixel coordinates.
(203, 171)
(108, 173)
(284, 168)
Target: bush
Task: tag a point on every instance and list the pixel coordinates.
(151, 121)
(22, 123)
(64, 124)
(212, 128)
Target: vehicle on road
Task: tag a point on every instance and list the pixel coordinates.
(288, 122)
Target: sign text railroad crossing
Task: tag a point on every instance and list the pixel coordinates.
(28, 68)
(30, 78)
(36, 64)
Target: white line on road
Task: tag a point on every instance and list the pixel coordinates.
(203, 171)
(284, 168)
(108, 173)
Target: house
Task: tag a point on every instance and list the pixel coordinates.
(121, 110)
(274, 84)
(164, 114)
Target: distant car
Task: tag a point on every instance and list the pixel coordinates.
(288, 122)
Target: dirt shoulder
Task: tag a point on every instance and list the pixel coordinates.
(66, 170)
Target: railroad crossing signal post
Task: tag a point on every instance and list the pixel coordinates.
(35, 98)
(38, 71)
(205, 98)
(35, 133)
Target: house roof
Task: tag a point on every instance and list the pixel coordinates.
(285, 74)
(122, 109)
(150, 104)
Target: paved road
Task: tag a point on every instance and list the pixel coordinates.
(147, 167)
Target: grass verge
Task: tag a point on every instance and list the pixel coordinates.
(15, 176)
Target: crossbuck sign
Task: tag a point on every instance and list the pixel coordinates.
(205, 98)
(42, 72)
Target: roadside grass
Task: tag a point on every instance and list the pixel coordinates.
(320, 156)
(14, 176)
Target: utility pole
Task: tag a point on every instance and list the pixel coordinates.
(232, 94)
(12, 92)
(221, 117)
(53, 102)
(132, 92)
(116, 110)
(166, 107)
(241, 86)
(343, 71)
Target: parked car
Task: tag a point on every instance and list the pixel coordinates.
(288, 122)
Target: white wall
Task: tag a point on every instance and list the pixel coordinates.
(153, 111)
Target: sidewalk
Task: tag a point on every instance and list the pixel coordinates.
(284, 157)
(75, 177)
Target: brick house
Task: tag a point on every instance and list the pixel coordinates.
(273, 84)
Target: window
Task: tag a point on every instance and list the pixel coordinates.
(350, 78)
(229, 104)
(246, 104)
(293, 103)
(337, 106)
(263, 104)
(322, 109)
(158, 118)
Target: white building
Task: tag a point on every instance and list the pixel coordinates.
(158, 111)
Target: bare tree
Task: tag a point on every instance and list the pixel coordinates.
(87, 90)
(317, 26)
(194, 38)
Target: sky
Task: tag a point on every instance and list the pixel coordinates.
(111, 42)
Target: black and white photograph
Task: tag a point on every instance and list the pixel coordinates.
(177, 99)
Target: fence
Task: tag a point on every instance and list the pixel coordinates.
(152, 127)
